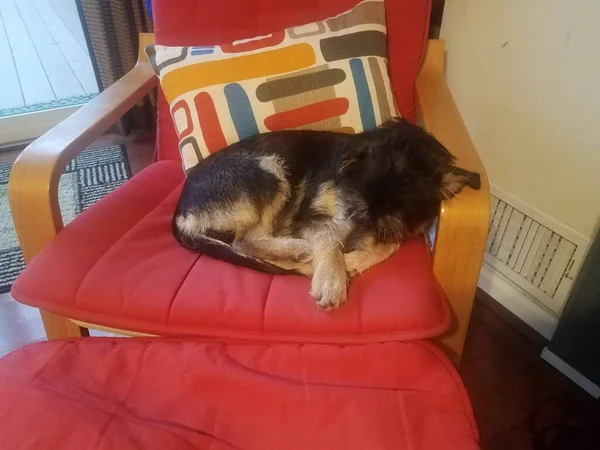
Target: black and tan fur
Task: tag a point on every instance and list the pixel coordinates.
(324, 204)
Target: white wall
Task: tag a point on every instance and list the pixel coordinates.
(526, 77)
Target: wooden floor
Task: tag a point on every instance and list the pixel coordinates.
(21, 324)
(43, 54)
(516, 396)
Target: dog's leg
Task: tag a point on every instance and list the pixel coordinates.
(296, 266)
(370, 254)
(265, 246)
(329, 282)
(286, 252)
(232, 219)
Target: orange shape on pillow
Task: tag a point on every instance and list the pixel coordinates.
(256, 65)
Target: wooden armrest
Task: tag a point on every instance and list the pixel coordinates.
(33, 183)
(464, 221)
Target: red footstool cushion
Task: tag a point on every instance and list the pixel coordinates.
(118, 265)
(165, 394)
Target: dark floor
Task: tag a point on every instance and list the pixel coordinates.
(516, 396)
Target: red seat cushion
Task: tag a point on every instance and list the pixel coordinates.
(209, 22)
(118, 265)
(163, 394)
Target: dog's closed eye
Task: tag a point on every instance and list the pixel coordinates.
(351, 162)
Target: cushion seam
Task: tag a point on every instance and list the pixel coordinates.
(198, 256)
(120, 407)
(103, 255)
(262, 325)
(219, 333)
(453, 375)
(34, 378)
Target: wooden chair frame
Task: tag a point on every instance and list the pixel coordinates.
(462, 225)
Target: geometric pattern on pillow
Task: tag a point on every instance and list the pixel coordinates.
(326, 75)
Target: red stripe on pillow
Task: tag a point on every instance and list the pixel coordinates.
(209, 122)
(307, 114)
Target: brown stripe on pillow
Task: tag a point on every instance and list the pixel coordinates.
(298, 84)
(371, 12)
(354, 45)
(347, 130)
(309, 98)
(328, 124)
(303, 99)
(380, 91)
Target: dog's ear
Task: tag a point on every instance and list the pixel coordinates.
(352, 161)
(455, 179)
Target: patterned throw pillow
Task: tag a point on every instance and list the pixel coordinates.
(327, 75)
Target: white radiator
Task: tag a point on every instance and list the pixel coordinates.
(539, 257)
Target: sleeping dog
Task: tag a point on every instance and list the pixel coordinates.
(323, 204)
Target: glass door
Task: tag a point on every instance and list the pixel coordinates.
(45, 69)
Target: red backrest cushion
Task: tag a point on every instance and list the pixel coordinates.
(209, 22)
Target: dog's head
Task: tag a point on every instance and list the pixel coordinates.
(399, 176)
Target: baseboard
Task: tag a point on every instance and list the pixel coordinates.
(32, 125)
(511, 319)
(517, 301)
(576, 377)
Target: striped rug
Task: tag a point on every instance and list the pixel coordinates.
(88, 178)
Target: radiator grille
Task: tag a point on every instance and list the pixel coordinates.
(532, 252)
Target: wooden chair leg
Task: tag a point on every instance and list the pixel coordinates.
(58, 327)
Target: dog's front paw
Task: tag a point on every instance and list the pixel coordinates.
(329, 289)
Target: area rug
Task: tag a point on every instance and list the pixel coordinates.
(88, 178)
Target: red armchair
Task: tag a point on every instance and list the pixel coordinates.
(117, 267)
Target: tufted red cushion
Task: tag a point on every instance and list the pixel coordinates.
(118, 265)
(206, 22)
(163, 394)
